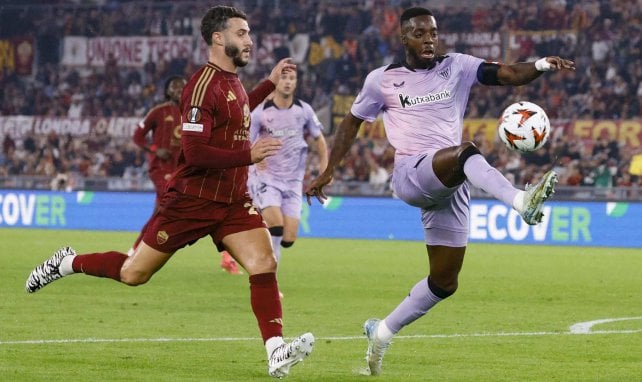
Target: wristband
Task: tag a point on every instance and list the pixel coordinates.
(542, 65)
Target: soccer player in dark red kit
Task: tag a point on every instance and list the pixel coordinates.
(164, 123)
(207, 194)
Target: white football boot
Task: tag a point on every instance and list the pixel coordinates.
(48, 271)
(535, 196)
(289, 354)
(376, 347)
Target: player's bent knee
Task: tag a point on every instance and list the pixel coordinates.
(260, 264)
(287, 244)
(467, 150)
(276, 230)
(443, 290)
(134, 278)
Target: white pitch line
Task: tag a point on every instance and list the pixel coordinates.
(333, 338)
(585, 327)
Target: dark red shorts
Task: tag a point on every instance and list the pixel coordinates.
(183, 219)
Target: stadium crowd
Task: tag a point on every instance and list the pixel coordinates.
(335, 44)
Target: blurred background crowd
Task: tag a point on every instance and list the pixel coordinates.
(335, 44)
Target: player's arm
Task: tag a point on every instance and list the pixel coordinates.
(258, 94)
(141, 131)
(520, 73)
(343, 140)
(322, 150)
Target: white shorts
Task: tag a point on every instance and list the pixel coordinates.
(288, 200)
(444, 210)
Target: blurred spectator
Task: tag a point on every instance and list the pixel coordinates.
(334, 44)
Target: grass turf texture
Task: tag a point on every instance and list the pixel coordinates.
(509, 321)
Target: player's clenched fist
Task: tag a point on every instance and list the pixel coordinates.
(263, 148)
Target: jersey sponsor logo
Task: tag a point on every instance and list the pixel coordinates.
(242, 135)
(282, 133)
(194, 115)
(230, 96)
(195, 127)
(406, 101)
(445, 74)
(161, 237)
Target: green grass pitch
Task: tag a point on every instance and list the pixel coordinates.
(509, 320)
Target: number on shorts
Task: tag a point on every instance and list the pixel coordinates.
(251, 209)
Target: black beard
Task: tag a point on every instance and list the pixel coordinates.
(421, 63)
(235, 53)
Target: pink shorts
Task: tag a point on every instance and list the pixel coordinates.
(183, 219)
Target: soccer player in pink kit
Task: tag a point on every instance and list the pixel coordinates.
(276, 184)
(207, 194)
(423, 101)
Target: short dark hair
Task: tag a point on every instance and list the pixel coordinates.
(168, 82)
(413, 12)
(215, 20)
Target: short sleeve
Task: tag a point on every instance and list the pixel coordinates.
(312, 125)
(369, 101)
(255, 123)
(469, 66)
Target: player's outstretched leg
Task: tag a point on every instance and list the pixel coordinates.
(289, 354)
(535, 196)
(48, 271)
(376, 347)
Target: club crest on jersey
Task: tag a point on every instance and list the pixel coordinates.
(444, 73)
(194, 115)
(161, 237)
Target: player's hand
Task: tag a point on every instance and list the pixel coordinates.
(283, 66)
(558, 63)
(163, 154)
(263, 148)
(316, 188)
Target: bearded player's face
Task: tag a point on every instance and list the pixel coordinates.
(238, 43)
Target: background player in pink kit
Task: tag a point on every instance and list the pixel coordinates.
(276, 184)
(423, 100)
(164, 123)
(207, 194)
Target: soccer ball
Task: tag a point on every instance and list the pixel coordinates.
(524, 127)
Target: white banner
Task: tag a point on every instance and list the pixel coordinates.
(19, 126)
(131, 51)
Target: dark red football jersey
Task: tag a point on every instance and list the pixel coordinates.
(164, 121)
(215, 113)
